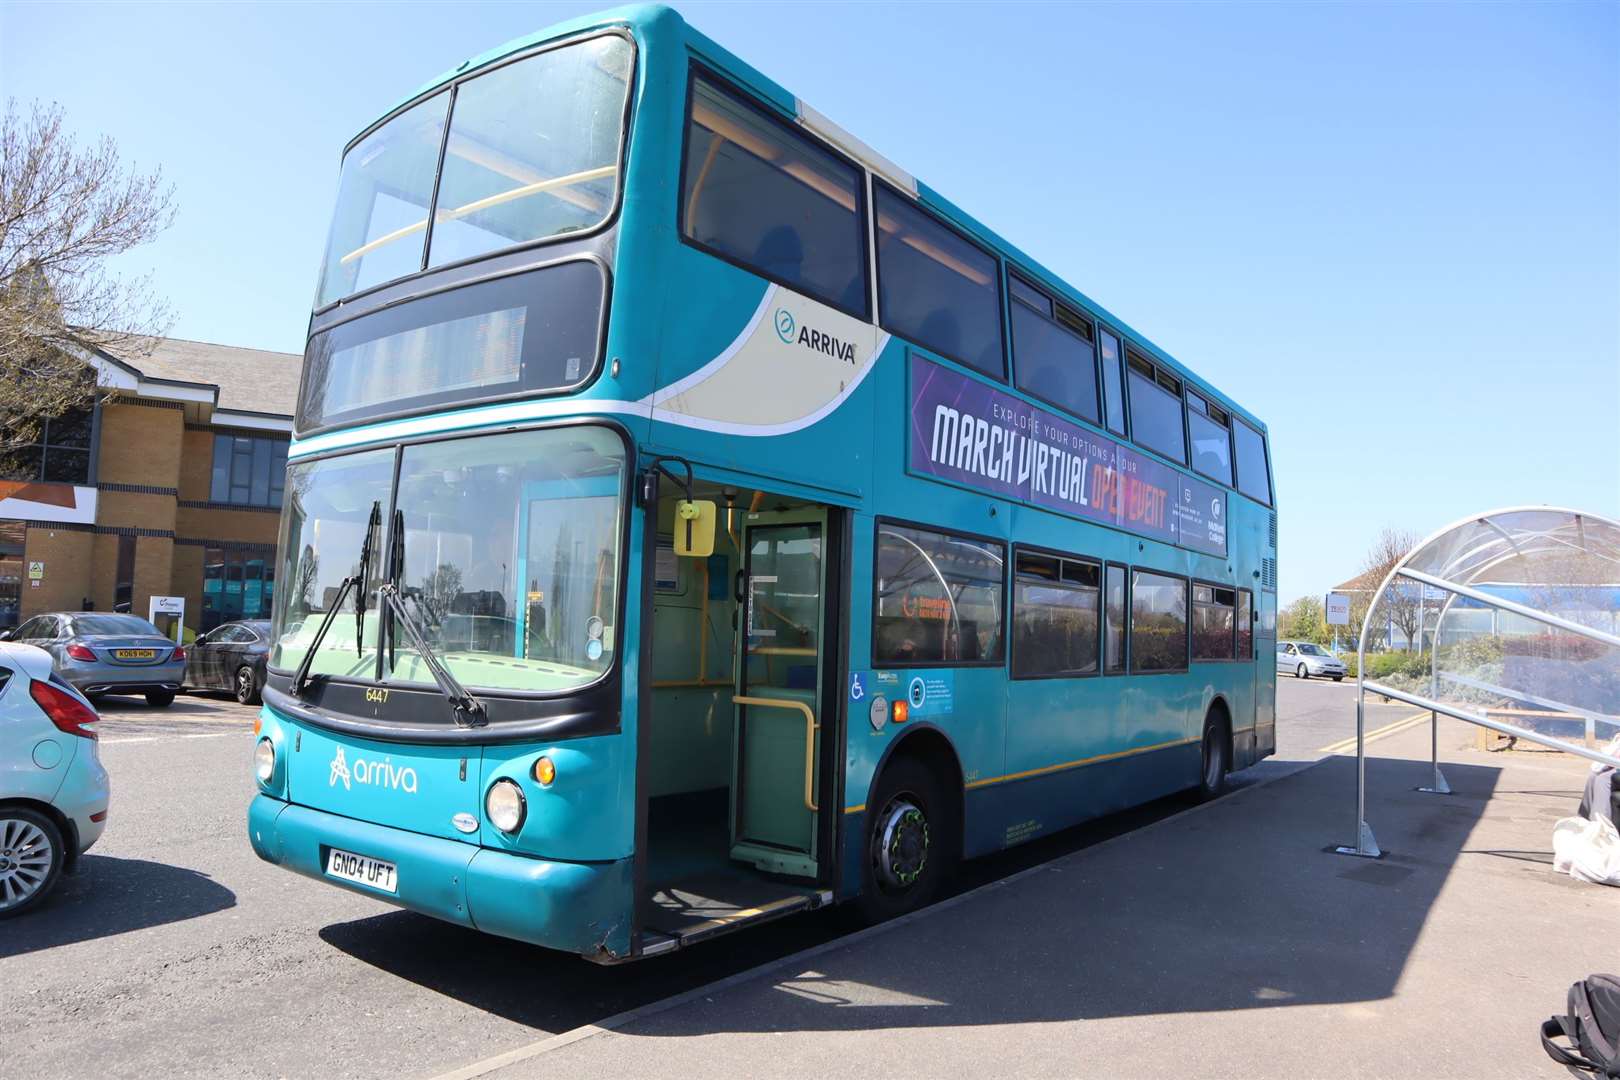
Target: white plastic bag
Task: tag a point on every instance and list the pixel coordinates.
(1587, 850)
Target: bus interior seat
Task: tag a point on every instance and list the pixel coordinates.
(781, 253)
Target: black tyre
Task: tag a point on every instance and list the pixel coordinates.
(160, 699)
(912, 841)
(1215, 762)
(246, 686)
(1338, 678)
(31, 855)
(1301, 673)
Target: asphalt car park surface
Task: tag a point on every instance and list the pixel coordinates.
(173, 950)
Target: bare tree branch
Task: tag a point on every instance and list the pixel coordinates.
(65, 211)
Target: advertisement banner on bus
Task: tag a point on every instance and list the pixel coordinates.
(969, 433)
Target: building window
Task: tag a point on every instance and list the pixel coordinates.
(1156, 409)
(238, 583)
(248, 470)
(938, 598)
(1211, 431)
(775, 202)
(1055, 616)
(1158, 622)
(12, 538)
(935, 288)
(1114, 622)
(1214, 611)
(62, 454)
(1253, 473)
(1052, 354)
(124, 581)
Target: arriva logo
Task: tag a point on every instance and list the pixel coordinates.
(379, 773)
(789, 330)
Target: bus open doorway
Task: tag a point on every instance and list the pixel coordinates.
(737, 772)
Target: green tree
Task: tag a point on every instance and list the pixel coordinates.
(1304, 620)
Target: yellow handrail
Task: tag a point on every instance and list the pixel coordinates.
(810, 729)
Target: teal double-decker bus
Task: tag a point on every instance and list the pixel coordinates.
(693, 518)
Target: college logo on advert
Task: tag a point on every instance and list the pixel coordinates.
(377, 773)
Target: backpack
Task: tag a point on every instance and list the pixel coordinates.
(1592, 1027)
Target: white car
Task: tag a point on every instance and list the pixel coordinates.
(53, 790)
(1301, 659)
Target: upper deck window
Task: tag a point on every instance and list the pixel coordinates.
(1156, 409)
(383, 195)
(1253, 472)
(935, 288)
(1052, 350)
(1210, 428)
(532, 152)
(1114, 391)
(759, 194)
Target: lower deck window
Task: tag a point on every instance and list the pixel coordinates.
(1055, 616)
(938, 598)
(1245, 625)
(1214, 611)
(1158, 622)
(1114, 622)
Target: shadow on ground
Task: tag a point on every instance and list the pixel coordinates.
(552, 991)
(105, 896)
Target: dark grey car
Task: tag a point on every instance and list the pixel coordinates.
(105, 653)
(231, 657)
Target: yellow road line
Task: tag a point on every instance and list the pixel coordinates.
(1377, 733)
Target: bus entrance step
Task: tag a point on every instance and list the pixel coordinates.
(696, 908)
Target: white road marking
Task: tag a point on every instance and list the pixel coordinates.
(160, 738)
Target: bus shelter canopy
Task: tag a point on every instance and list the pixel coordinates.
(1514, 614)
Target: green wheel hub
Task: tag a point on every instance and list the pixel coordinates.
(900, 844)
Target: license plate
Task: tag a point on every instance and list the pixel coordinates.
(135, 654)
(362, 869)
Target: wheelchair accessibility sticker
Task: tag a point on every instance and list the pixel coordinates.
(857, 686)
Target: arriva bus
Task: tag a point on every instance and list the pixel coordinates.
(694, 518)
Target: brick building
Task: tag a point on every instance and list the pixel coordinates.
(170, 486)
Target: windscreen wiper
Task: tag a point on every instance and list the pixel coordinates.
(354, 581)
(373, 523)
(468, 710)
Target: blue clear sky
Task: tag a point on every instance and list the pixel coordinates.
(1393, 232)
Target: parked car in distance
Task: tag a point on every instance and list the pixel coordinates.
(53, 791)
(102, 652)
(231, 657)
(1302, 659)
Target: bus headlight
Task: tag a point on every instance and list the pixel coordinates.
(504, 806)
(264, 760)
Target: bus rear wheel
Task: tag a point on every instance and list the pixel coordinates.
(1216, 762)
(910, 841)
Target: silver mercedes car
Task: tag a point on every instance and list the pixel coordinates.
(106, 653)
(1302, 659)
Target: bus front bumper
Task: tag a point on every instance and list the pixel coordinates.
(581, 908)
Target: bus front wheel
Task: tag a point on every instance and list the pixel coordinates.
(910, 841)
